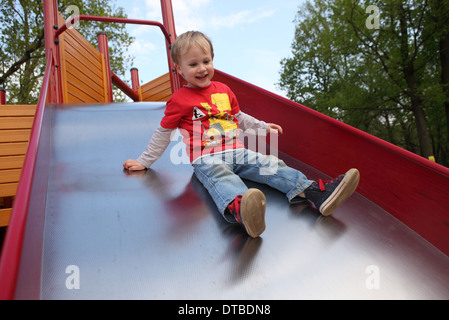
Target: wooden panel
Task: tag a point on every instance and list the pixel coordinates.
(81, 50)
(16, 122)
(20, 135)
(160, 80)
(8, 189)
(158, 84)
(81, 94)
(159, 96)
(157, 90)
(88, 86)
(80, 66)
(63, 58)
(82, 69)
(11, 162)
(73, 99)
(82, 81)
(105, 80)
(17, 110)
(5, 216)
(78, 41)
(15, 128)
(9, 176)
(13, 149)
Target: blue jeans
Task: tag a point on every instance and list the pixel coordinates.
(222, 173)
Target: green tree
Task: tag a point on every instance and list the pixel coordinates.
(385, 78)
(22, 42)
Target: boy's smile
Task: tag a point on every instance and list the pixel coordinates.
(196, 67)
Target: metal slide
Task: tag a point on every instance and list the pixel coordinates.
(156, 234)
(84, 228)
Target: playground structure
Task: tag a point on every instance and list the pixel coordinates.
(71, 211)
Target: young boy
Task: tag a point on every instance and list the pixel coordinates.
(208, 116)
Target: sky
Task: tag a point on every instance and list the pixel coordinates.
(250, 37)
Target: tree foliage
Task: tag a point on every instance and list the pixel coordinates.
(388, 79)
(22, 44)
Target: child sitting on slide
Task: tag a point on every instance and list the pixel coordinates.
(208, 116)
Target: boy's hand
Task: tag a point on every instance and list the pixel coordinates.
(275, 128)
(133, 165)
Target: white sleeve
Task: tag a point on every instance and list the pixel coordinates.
(248, 122)
(156, 147)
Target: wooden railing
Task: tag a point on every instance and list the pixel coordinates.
(15, 127)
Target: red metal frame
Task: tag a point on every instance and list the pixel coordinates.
(135, 79)
(52, 49)
(130, 92)
(169, 22)
(104, 49)
(9, 264)
(113, 20)
(2, 95)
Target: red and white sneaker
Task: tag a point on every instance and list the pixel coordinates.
(249, 211)
(326, 196)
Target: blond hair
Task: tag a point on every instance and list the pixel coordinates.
(183, 43)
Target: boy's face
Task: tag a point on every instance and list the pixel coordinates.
(196, 67)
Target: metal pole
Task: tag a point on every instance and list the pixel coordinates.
(104, 49)
(135, 82)
(169, 24)
(50, 25)
(2, 95)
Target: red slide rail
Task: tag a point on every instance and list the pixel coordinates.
(9, 266)
(409, 187)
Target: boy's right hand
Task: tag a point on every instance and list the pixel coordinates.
(133, 165)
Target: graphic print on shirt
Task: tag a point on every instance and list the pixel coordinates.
(197, 114)
(220, 125)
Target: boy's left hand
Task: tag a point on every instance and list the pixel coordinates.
(274, 128)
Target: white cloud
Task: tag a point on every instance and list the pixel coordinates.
(241, 17)
(197, 15)
(152, 10)
(141, 47)
(189, 14)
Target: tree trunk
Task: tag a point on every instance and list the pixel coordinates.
(444, 57)
(421, 126)
(408, 69)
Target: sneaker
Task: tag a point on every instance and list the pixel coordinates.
(249, 211)
(326, 196)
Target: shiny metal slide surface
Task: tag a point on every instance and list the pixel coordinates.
(156, 234)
